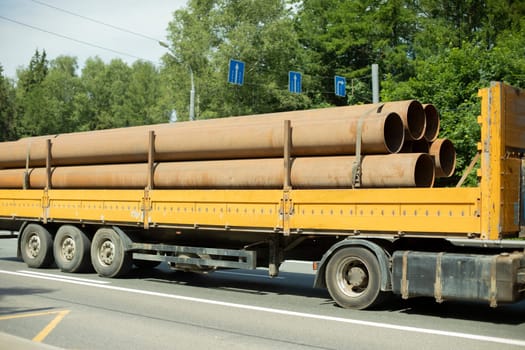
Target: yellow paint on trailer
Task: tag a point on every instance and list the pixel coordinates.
(241, 208)
(437, 210)
(502, 134)
(21, 204)
(96, 205)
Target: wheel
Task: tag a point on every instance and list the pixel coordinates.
(353, 278)
(108, 255)
(71, 249)
(36, 246)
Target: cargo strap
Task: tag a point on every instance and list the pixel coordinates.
(356, 167)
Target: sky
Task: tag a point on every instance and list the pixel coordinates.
(18, 41)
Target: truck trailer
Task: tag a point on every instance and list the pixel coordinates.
(367, 238)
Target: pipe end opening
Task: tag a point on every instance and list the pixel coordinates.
(424, 173)
(394, 133)
(432, 121)
(445, 154)
(416, 121)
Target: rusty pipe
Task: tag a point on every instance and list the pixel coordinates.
(432, 122)
(14, 154)
(410, 111)
(393, 170)
(444, 154)
(413, 115)
(381, 133)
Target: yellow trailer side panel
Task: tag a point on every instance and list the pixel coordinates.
(436, 210)
(96, 205)
(223, 208)
(21, 204)
(418, 211)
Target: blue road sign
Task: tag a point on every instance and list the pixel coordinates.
(340, 86)
(294, 82)
(236, 73)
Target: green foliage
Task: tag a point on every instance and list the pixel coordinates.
(35, 74)
(7, 108)
(116, 95)
(207, 34)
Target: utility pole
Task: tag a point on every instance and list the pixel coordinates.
(375, 83)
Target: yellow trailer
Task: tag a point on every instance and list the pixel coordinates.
(449, 243)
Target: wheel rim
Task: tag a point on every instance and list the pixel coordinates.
(106, 253)
(352, 277)
(33, 246)
(68, 248)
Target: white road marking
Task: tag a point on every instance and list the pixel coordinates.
(61, 277)
(475, 337)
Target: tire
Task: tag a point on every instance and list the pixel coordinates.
(353, 278)
(108, 255)
(71, 249)
(36, 246)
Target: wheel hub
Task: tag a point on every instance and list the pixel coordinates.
(33, 246)
(68, 248)
(357, 278)
(352, 277)
(107, 253)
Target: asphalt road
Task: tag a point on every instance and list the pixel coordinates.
(159, 308)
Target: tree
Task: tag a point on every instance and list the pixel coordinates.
(7, 108)
(206, 34)
(107, 105)
(117, 95)
(144, 92)
(347, 37)
(35, 74)
(48, 96)
(32, 118)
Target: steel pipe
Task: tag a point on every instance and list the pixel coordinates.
(432, 122)
(410, 111)
(393, 170)
(412, 114)
(380, 133)
(444, 154)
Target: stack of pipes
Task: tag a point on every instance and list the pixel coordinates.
(392, 144)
